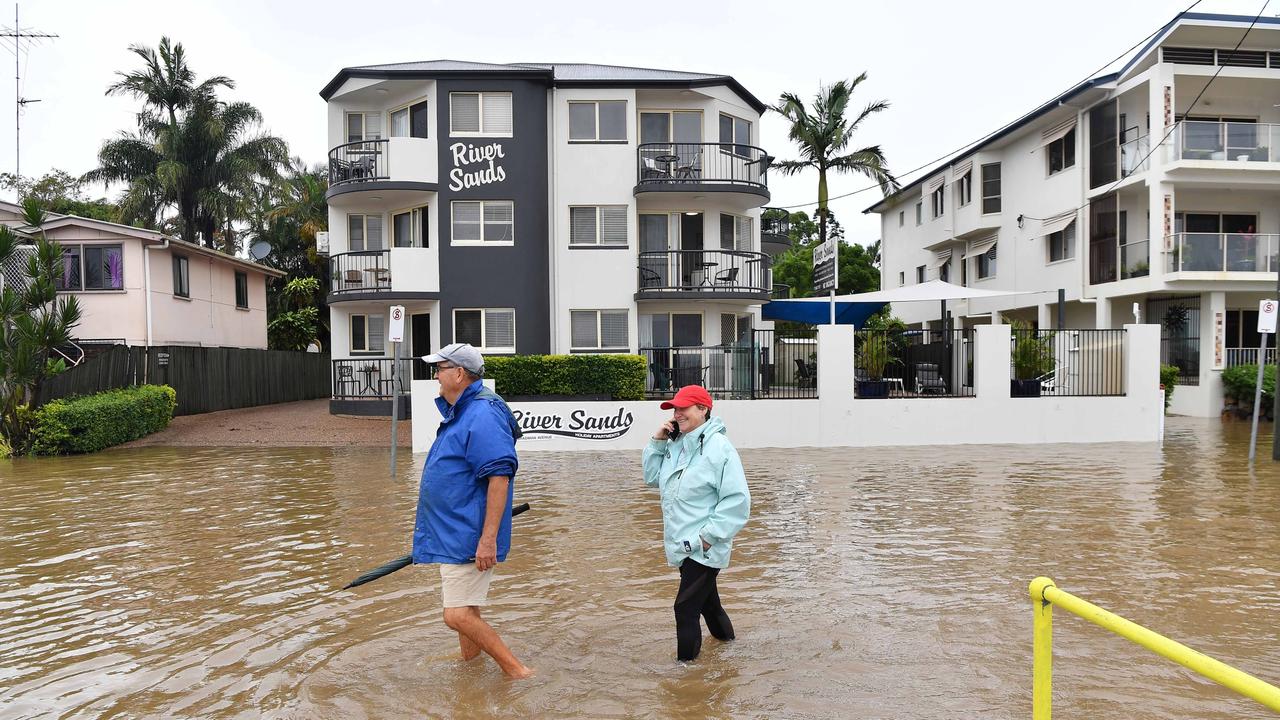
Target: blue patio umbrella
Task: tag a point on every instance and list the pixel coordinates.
(817, 311)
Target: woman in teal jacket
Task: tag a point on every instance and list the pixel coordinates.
(705, 503)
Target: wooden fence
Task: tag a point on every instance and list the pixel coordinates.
(205, 379)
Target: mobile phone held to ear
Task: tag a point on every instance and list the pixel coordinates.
(673, 430)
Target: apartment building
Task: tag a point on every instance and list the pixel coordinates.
(1144, 193)
(537, 208)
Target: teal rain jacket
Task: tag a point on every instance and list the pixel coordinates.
(704, 493)
(476, 440)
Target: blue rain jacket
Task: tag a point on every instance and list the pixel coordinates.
(475, 441)
(704, 493)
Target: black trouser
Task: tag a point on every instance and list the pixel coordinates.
(698, 596)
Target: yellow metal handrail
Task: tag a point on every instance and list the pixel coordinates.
(1044, 595)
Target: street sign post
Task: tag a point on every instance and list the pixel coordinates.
(825, 275)
(1267, 310)
(395, 334)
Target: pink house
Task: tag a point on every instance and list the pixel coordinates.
(142, 287)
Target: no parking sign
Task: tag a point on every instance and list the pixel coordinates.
(1267, 316)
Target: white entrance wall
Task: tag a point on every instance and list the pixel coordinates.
(837, 419)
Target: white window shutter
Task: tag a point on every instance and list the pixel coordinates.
(582, 225)
(613, 225)
(464, 112)
(613, 329)
(743, 233)
(497, 113)
(500, 328)
(583, 329)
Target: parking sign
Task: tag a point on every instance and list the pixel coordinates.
(1267, 316)
(396, 332)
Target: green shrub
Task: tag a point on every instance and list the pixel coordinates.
(1168, 378)
(93, 422)
(621, 377)
(1239, 382)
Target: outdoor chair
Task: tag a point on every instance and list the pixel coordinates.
(649, 278)
(688, 167)
(352, 277)
(928, 379)
(727, 277)
(651, 170)
(805, 376)
(346, 379)
(341, 170)
(661, 377)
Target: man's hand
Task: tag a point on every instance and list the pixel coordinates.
(705, 545)
(486, 553)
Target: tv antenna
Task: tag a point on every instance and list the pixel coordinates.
(17, 34)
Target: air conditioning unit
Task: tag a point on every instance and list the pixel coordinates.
(322, 242)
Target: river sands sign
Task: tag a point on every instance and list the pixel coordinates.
(475, 165)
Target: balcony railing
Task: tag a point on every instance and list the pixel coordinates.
(1221, 252)
(1135, 259)
(1249, 356)
(1226, 141)
(1135, 156)
(370, 378)
(781, 291)
(765, 364)
(775, 221)
(359, 162)
(659, 165)
(361, 271)
(704, 271)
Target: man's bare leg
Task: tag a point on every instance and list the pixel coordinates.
(470, 650)
(468, 624)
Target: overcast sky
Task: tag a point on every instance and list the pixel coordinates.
(951, 71)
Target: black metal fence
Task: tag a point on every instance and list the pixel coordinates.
(205, 379)
(1068, 363)
(1179, 320)
(358, 161)
(913, 363)
(780, 291)
(361, 271)
(371, 378)
(766, 364)
(775, 221)
(704, 270)
(715, 163)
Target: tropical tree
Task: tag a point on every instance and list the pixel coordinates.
(192, 154)
(297, 327)
(858, 266)
(34, 322)
(823, 134)
(60, 192)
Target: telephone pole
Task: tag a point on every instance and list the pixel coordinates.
(17, 34)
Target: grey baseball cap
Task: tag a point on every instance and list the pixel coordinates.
(461, 354)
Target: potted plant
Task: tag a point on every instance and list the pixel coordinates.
(873, 357)
(1032, 360)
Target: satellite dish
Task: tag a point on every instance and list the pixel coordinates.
(260, 250)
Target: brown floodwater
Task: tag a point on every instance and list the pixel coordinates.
(886, 583)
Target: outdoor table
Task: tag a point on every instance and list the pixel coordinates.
(668, 160)
(704, 268)
(380, 274)
(368, 378)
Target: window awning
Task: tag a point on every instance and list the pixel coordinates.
(936, 183)
(959, 170)
(940, 259)
(1057, 132)
(1057, 223)
(981, 246)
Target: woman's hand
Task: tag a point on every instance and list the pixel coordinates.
(664, 432)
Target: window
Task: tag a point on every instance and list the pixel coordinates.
(181, 276)
(410, 121)
(736, 232)
(91, 267)
(964, 189)
(938, 201)
(598, 225)
(364, 126)
(902, 218)
(1062, 244)
(991, 188)
(364, 232)
(242, 290)
(1062, 152)
(599, 121)
(368, 334)
(478, 222)
(987, 264)
(667, 127)
(735, 133)
(671, 330)
(410, 229)
(919, 273)
(598, 329)
(488, 329)
(919, 212)
(944, 272)
(902, 279)
(487, 113)
(964, 272)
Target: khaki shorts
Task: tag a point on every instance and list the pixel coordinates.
(462, 585)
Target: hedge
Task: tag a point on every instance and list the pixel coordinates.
(1239, 382)
(1169, 378)
(621, 377)
(92, 422)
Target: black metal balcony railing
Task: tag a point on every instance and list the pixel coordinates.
(361, 271)
(659, 164)
(775, 221)
(370, 378)
(358, 162)
(705, 271)
(781, 291)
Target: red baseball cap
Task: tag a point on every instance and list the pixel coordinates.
(687, 396)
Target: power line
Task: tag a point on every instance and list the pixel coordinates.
(984, 138)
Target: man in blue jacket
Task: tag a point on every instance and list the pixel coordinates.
(464, 502)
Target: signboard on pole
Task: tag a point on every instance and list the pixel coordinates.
(1267, 311)
(395, 331)
(1266, 326)
(824, 266)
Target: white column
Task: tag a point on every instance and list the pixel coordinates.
(1142, 372)
(1213, 353)
(835, 404)
(991, 359)
(1102, 313)
(1044, 315)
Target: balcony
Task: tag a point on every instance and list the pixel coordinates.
(781, 291)
(1221, 252)
(775, 231)
(368, 275)
(1111, 260)
(702, 168)
(704, 275)
(400, 168)
(1231, 143)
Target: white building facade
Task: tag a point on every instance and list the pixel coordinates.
(1149, 191)
(531, 209)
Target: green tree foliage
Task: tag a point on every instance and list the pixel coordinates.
(60, 192)
(34, 323)
(287, 214)
(858, 266)
(297, 327)
(192, 155)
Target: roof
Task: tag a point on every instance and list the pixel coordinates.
(557, 74)
(1032, 116)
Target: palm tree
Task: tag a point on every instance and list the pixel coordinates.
(822, 136)
(191, 152)
(300, 197)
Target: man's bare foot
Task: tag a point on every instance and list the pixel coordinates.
(521, 673)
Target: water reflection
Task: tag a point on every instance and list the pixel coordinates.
(870, 583)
